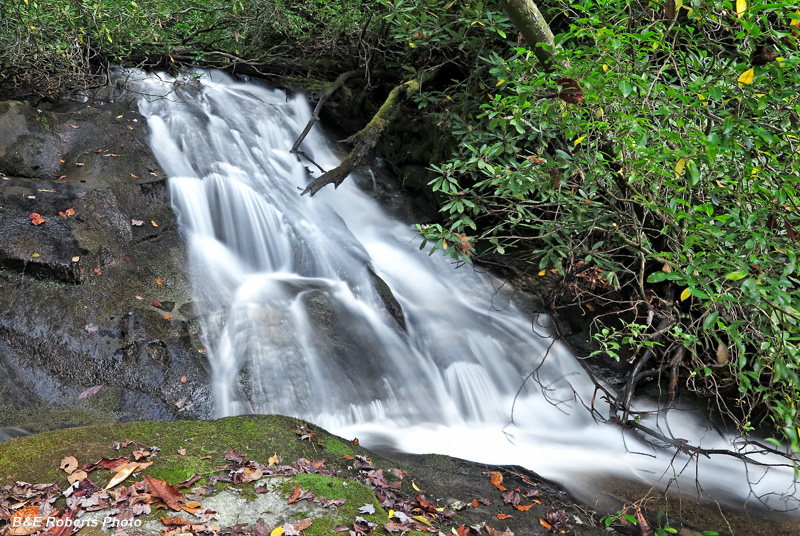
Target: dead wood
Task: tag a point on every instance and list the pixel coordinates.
(365, 139)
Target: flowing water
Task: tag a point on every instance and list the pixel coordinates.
(296, 321)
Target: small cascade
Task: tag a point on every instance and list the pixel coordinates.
(298, 318)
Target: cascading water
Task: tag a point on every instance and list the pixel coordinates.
(298, 319)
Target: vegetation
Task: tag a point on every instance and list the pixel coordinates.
(651, 165)
(656, 174)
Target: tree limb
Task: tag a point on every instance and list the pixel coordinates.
(339, 82)
(365, 139)
(530, 22)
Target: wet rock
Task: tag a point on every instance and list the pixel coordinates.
(86, 169)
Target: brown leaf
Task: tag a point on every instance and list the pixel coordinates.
(77, 476)
(545, 524)
(36, 218)
(90, 392)
(494, 532)
(64, 526)
(68, 464)
(496, 480)
(74, 126)
(110, 464)
(331, 503)
(231, 455)
(70, 211)
(512, 497)
(175, 521)
(297, 527)
(25, 521)
(504, 516)
(274, 460)
(124, 472)
(260, 528)
(570, 90)
(300, 495)
(189, 482)
(523, 507)
(168, 493)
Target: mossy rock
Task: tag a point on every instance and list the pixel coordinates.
(187, 448)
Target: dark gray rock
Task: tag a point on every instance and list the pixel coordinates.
(91, 296)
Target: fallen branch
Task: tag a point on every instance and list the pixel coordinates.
(330, 90)
(365, 139)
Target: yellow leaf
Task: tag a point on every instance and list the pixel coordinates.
(444, 244)
(450, 4)
(26, 3)
(599, 113)
(391, 512)
(36, 255)
(421, 519)
(126, 471)
(274, 460)
(741, 7)
(605, 68)
(686, 293)
(277, 531)
(500, 82)
(747, 77)
(794, 22)
(579, 140)
(755, 171)
(413, 485)
(75, 259)
(543, 272)
(679, 167)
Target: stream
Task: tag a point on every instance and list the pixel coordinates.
(297, 319)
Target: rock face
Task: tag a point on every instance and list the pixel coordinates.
(93, 291)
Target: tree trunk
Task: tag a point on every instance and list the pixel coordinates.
(530, 22)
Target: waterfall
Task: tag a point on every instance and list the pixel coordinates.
(297, 318)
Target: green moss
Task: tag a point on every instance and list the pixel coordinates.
(355, 494)
(43, 119)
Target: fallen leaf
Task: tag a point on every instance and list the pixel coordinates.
(36, 218)
(504, 516)
(277, 531)
(68, 464)
(331, 503)
(25, 521)
(62, 215)
(260, 528)
(76, 259)
(127, 470)
(36, 255)
(134, 176)
(119, 116)
(300, 494)
(293, 529)
(74, 126)
(496, 480)
(175, 521)
(91, 391)
(414, 485)
(368, 509)
(77, 476)
(137, 223)
(154, 223)
(274, 460)
(167, 317)
(494, 532)
(163, 490)
(160, 281)
(545, 524)
(43, 190)
(523, 507)
(70, 211)
(183, 380)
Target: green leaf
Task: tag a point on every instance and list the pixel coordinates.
(657, 277)
(710, 321)
(736, 276)
(626, 88)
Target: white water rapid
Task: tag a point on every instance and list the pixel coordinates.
(295, 322)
